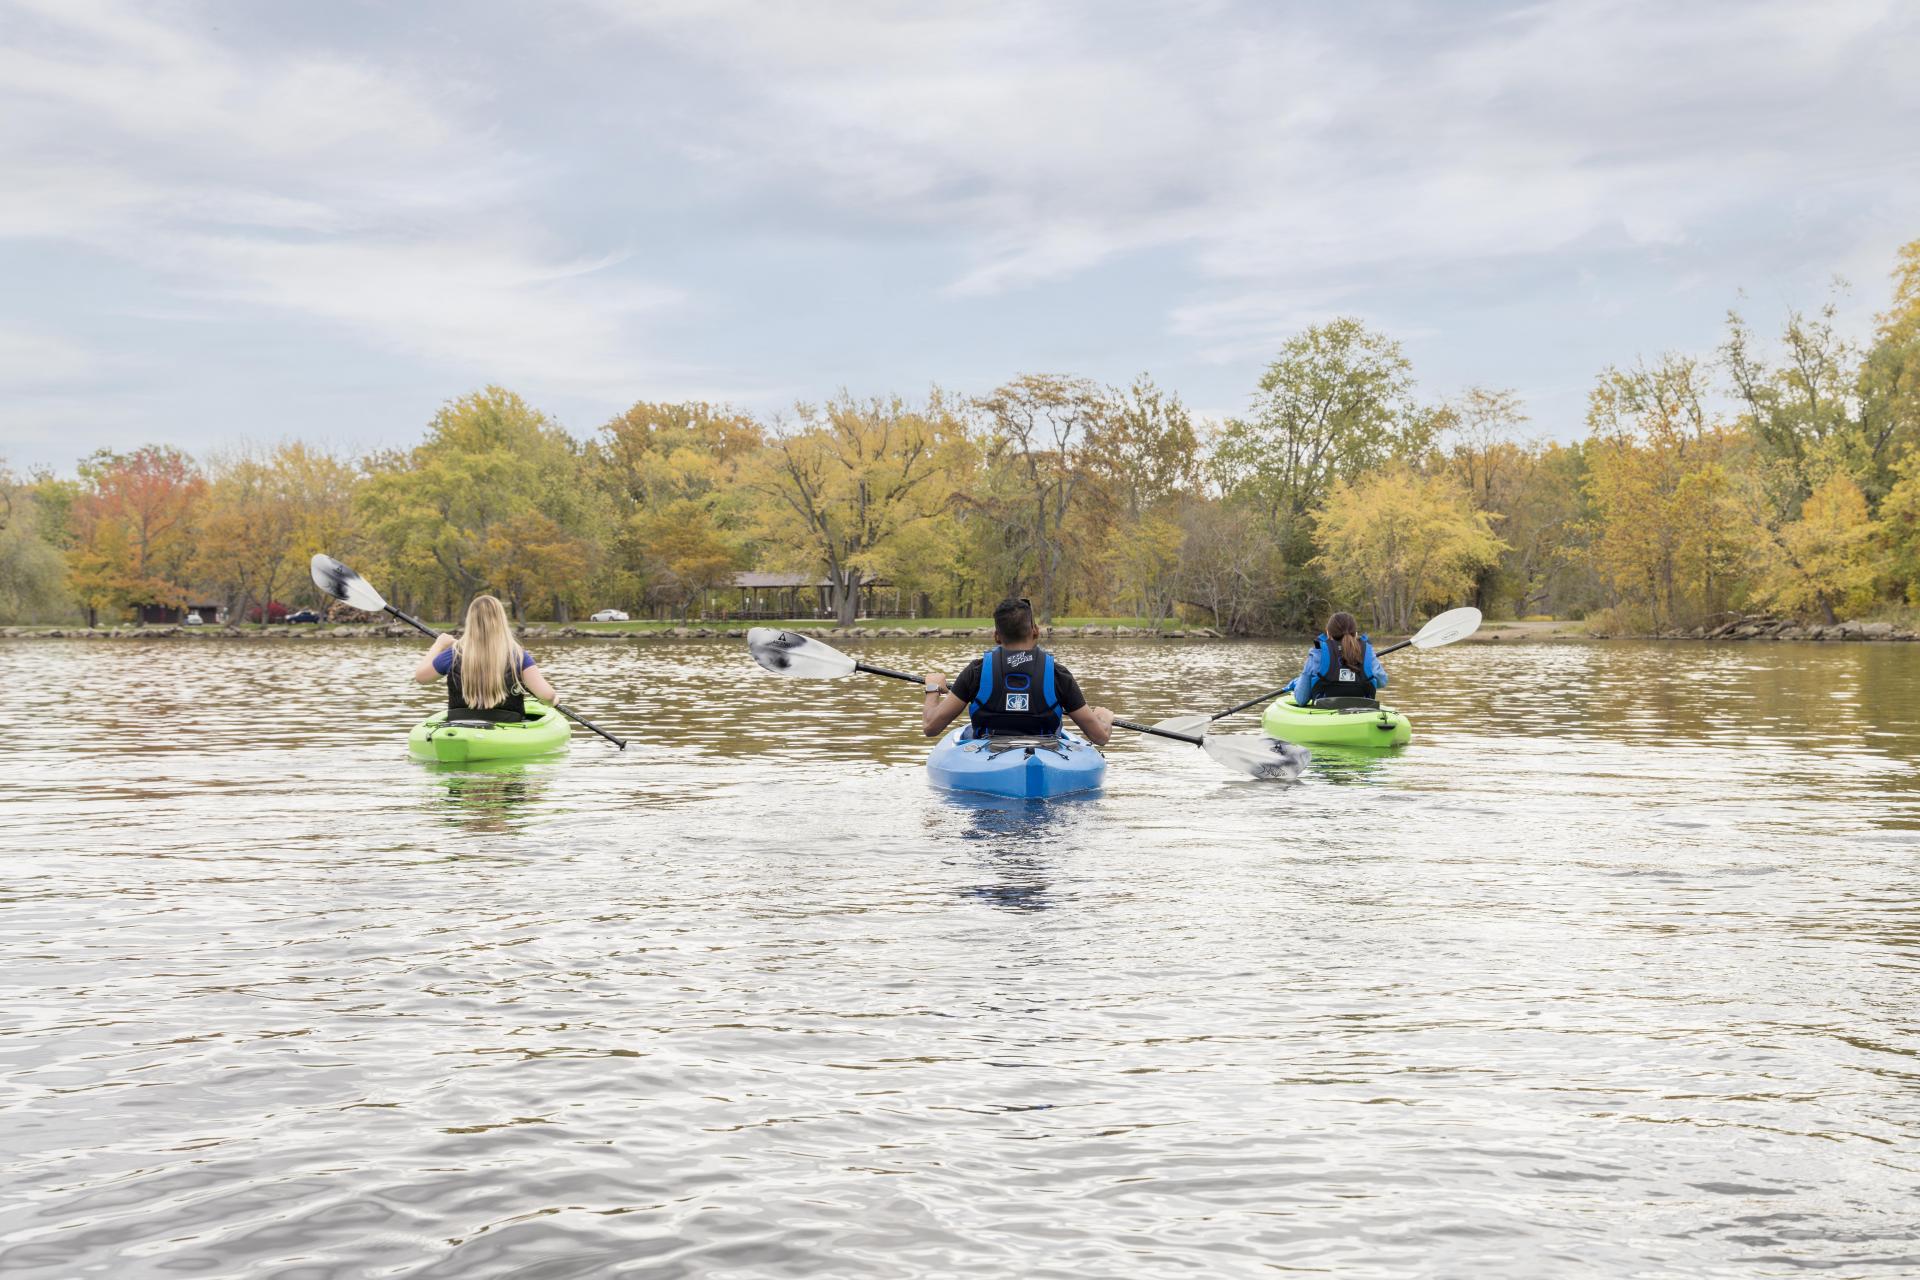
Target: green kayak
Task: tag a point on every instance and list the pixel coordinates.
(1369, 725)
(543, 731)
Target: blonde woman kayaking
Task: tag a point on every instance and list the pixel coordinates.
(488, 674)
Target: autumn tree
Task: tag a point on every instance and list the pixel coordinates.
(844, 482)
(1038, 432)
(1823, 561)
(490, 462)
(1230, 567)
(1401, 540)
(244, 533)
(132, 529)
(686, 554)
(658, 462)
(1667, 537)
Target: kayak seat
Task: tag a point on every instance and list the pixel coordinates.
(1347, 705)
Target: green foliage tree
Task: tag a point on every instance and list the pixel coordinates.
(489, 465)
(1337, 402)
(32, 570)
(1898, 533)
(1890, 380)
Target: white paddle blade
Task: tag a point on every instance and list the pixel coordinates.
(1194, 726)
(789, 653)
(1454, 624)
(343, 583)
(1267, 759)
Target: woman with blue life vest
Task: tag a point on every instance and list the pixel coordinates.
(1341, 665)
(1015, 687)
(488, 674)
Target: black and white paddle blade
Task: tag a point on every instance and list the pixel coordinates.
(1454, 624)
(343, 583)
(1262, 758)
(789, 653)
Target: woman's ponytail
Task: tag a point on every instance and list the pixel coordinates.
(1345, 632)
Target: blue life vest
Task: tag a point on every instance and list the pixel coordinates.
(1013, 697)
(1331, 677)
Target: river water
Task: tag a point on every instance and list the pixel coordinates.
(1612, 972)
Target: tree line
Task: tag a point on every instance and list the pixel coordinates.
(1776, 474)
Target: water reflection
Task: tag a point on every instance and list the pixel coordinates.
(1351, 766)
(1015, 844)
(494, 796)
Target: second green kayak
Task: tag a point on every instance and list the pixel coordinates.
(1311, 726)
(542, 732)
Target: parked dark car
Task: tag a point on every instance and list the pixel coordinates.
(303, 615)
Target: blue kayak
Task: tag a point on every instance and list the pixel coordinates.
(1018, 766)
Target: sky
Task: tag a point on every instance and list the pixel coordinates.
(223, 223)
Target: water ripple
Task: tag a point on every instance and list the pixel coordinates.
(1608, 974)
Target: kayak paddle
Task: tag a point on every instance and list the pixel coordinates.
(344, 584)
(789, 653)
(1445, 628)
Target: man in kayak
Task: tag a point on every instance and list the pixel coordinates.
(1341, 665)
(1015, 687)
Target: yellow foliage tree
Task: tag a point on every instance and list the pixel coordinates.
(1665, 537)
(1402, 539)
(1824, 561)
(846, 483)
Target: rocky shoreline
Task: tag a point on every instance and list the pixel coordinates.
(1765, 627)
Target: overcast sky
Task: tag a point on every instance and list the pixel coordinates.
(248, 221)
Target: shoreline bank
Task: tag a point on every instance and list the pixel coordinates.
(1556, 632)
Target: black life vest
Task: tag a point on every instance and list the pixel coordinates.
(1016, 693)
(512, 708)
(1336, 678)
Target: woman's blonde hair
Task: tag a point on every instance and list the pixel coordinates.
(490, 658)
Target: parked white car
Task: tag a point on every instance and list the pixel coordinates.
(609, 615)
(195, 620)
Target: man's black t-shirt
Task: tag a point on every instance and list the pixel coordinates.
(1065, 688)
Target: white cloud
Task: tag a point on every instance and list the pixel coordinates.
(1300, 149)
(305, 183)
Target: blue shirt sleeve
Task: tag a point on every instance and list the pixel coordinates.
(1375, 672)
(1304, 684)
(526, 660)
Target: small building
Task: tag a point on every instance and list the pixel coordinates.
(756, 595)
